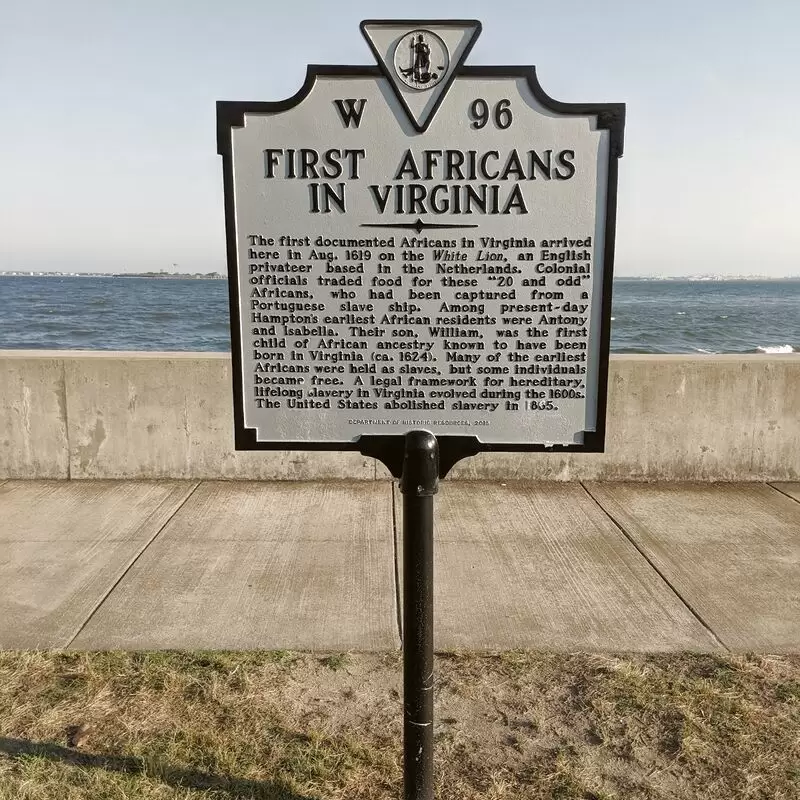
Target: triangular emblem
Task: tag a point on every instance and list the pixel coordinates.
(420, 58)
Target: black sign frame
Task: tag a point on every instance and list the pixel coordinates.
(389, 448)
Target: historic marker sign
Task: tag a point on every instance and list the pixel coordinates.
(420, 244)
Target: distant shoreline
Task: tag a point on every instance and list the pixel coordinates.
(197, 276)
(216, 276)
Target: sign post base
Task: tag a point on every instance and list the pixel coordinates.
(418, 484)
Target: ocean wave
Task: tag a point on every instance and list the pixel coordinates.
(780, 348)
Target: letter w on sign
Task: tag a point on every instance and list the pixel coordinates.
(350, 111)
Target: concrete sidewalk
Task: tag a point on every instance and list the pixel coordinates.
(564, 566)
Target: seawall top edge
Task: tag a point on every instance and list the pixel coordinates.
(127, 354)
(205, 354)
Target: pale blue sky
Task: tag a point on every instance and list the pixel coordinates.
(107, 148)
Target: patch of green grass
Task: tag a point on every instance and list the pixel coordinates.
(336, 661)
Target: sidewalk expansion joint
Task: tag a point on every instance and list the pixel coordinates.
(785, 494)
(396, 550)
(130, 566)
(693, 611)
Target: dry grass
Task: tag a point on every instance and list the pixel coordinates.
(283, 726)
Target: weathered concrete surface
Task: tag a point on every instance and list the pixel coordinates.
(63, 545)
(731, 552)
(678, 418)
(169, 415)
(312, 566)
(541, 566)
(790, 489)
(252, 565)
(33, 416)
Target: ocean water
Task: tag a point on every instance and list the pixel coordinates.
(706, 316)
(648, 316)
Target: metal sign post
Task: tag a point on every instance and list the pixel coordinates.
(420, 258)
(418, 484)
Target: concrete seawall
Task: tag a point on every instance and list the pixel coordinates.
(74, 414)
